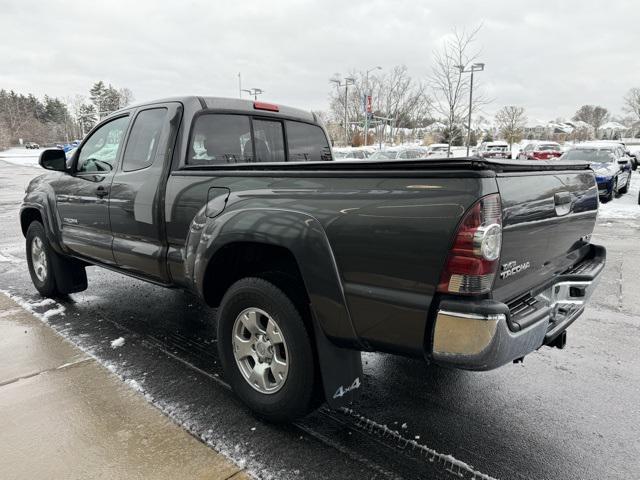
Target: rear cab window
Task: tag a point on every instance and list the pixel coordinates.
(269, 141)
(307, 143)
(221, 138)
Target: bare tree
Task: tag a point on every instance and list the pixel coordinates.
(632, 102)
(511, 121)
(395, 95)
(17, 112)
(594, 115)
(5, 137)
(126, 96)
(449, 85)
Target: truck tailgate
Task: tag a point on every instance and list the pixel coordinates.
(548, 218)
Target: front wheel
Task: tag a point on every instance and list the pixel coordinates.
(51, 273)
(614, 189)
(625, 189)
(266, 351)
(39, 260)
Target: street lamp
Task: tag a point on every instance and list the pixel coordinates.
(366, 100)
(254, 91)
(476, 67)
(347, 81)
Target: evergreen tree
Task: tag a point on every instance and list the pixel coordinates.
(96, 94)
(111, 99)
(87, 118)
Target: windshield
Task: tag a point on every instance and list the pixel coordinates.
(589, 155)
(497, 148)
(547, 147)
(439, 149)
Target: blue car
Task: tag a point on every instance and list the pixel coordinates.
(610, 164)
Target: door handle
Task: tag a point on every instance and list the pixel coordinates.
(102, 192)
(562, 198)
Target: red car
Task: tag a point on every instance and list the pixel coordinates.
(540, 151)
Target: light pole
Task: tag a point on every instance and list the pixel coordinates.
(254, 91)
(347, 81)
(476, 67)
(366, 100)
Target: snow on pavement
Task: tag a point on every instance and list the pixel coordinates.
(21, 156)
(626, 206)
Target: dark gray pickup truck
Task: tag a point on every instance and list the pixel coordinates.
(470, 263)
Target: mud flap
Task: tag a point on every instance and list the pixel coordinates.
(70, 274)
(341, 371)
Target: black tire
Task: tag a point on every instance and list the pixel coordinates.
(45, 284)
(296, 396)
(625, 189)
(614, 189)
(62, 275)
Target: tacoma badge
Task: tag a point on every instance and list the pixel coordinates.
(512, 267)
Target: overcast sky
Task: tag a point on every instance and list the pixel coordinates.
(548, 58)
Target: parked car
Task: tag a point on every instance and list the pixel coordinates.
(398, 154)
(350, 154)
(310, 261)
(438, 150)
(69, 153)
(633, 156)
(610, 164)
(540, 151)
(494, 150)
(31, 145)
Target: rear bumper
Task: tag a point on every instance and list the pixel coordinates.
(480, 335)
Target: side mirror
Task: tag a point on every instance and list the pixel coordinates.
(53, 159)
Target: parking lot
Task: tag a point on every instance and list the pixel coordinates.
(568, 414)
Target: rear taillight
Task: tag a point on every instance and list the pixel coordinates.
(473, 259)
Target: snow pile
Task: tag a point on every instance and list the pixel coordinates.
(626, 206)
(21, 156)
(53, 311)
(118, 342)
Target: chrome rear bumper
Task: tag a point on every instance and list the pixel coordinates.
(477, 335)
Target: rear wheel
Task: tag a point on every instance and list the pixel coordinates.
(266, 350)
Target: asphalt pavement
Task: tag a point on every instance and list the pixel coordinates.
(570, 414)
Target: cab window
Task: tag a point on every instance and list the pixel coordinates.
(307, 143)
(142, 144)
(268, 140)
(221, 139)
(100, 152)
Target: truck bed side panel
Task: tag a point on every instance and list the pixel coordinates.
(389, 236)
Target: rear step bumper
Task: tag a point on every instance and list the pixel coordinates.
(476, 335)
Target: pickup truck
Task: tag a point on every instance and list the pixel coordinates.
(469, 263)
